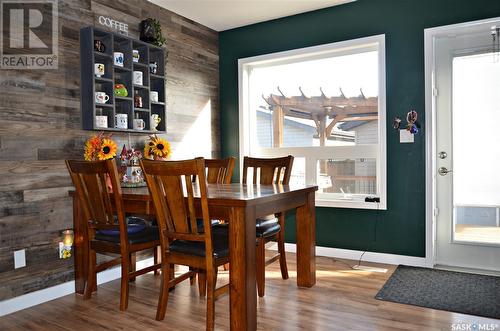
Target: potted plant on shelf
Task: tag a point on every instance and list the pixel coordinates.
(151, 32)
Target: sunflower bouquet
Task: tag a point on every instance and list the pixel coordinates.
(99, 147)
(157, 148)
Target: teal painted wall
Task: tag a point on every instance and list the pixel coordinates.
(401, 228)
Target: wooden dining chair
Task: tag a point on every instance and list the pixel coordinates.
(171, 187)
(219, 171)
(108, 229)
(272, 227)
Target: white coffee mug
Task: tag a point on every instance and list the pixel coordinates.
(101, 121)
(137, 77)
(101, 97)
(153, 95)
(139, 124)
(121, 121)
(99, 69)
(118, 59)
(135, 55)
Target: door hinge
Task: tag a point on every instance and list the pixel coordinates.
(435, 92)
(436, 211)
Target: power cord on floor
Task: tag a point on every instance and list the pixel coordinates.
(375, 233)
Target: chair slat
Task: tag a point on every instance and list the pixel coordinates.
(175, 200)
(190, 195)
(94, 193)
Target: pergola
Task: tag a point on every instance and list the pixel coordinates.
(325, 111)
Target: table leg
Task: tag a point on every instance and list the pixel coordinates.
(243, 295)
(81, 249)
(306, 242)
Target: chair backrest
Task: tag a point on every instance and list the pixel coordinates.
(98, 201)
(272, 171)
(219, 171)
(171, 184)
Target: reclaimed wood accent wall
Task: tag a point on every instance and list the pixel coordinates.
(41, 127)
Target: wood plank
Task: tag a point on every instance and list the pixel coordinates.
(41, 126)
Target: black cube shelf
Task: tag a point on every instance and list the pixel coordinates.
(114, 74)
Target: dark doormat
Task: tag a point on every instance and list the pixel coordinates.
(445, 290)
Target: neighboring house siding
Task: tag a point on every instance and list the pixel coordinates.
(295, 134)
(367, 133)
(264, 130)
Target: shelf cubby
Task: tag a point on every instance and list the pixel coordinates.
(114, 74)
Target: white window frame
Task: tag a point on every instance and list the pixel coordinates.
(313, 154)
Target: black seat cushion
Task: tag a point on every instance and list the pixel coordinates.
(220, 242)
(264, 226)
(267, 226)
(137, 230)
(134, 224)
(199, 224)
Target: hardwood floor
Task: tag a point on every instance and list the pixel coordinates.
(343, 299)
(477, 233)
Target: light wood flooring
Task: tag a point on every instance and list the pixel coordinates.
(343, 299)
(477, 233)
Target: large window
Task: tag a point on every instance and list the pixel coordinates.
(325, 105)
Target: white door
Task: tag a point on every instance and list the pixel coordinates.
(467, 121)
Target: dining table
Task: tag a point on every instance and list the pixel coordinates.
(240, 205)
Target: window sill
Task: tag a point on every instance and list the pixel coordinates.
(353, 204)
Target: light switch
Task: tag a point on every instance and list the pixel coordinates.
(406, 137)
(19, 258)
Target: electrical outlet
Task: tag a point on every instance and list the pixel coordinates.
(20, 258)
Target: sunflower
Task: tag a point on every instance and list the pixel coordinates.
(157, 148)
(107, 150)
(161, 148)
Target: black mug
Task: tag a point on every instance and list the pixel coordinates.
(99, 46)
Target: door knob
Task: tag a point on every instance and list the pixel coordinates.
(443, 171)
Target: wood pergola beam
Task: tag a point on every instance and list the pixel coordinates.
(319, 109)
(320, 101)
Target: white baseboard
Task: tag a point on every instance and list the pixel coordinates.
(47, 294)
(367, 257)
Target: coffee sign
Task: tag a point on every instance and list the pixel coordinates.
(113, 24)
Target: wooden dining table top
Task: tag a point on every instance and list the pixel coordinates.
(235, 193)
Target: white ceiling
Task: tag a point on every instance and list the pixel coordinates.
(222, 15)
